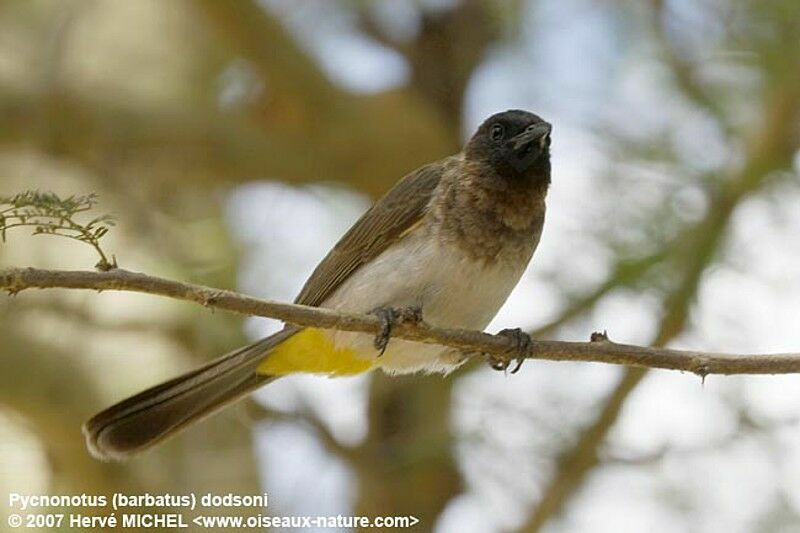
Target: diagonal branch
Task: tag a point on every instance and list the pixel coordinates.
(600, 349)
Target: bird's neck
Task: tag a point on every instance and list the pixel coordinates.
(490, 219)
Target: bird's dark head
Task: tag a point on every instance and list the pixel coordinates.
(515, 144)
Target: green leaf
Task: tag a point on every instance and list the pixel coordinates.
(50, 214)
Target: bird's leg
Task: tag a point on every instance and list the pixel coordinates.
(389, 316)
(522, 342)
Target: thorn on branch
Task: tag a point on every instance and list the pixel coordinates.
(703, 370)
(210, 299)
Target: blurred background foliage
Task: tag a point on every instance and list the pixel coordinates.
(235, 141)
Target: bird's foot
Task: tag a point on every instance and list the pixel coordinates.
(519, 353)
(389, 316)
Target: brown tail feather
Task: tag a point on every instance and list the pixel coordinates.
(141, 421)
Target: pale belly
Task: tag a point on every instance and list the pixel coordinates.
(452, 289)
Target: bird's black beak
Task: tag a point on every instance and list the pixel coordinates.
(535, 132)
(530, 144)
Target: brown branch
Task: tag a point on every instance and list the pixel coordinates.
(600, 350)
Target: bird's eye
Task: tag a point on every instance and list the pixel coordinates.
(497, 132)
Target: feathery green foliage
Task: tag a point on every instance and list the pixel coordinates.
(50, 214)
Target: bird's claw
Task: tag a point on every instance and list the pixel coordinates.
(522, 341)
(389, 316)
(411, 314)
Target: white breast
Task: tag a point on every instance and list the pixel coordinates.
(452, 289)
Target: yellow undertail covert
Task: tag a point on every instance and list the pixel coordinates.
(311, 351)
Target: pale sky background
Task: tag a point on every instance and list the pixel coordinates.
(573, 68)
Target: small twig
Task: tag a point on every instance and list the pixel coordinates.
(470, 342)
(49, 214)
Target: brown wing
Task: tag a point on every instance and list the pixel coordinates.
(385, 222)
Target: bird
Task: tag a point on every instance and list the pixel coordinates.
(447, 245)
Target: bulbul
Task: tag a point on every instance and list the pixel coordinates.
(450, 239)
